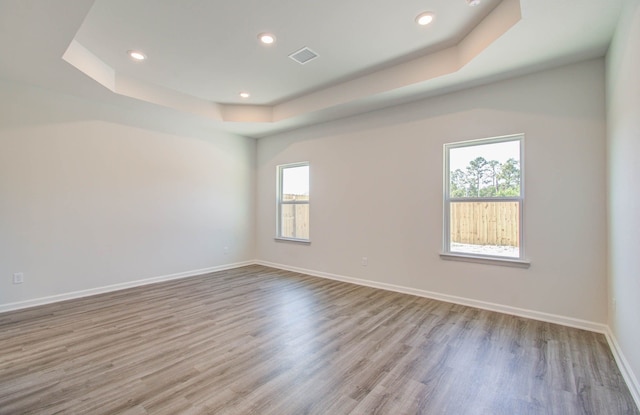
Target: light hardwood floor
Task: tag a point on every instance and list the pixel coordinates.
(256, 340)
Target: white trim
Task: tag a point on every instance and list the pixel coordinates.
(536, 315)
(448, 200)
(520, 312)
(627, 373)
(294, 240)
(116, 287)
(488, 260)
(279, 202)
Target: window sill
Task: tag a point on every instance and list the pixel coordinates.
(293, 240)
(505, 262)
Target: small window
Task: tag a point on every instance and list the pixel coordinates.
(483, 198)
(293, 202)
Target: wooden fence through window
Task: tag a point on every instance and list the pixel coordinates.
(477, 223)
(485, 223)
(295, 221)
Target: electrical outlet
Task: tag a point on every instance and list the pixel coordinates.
(18, 278)
(365, 261)
(226, 250)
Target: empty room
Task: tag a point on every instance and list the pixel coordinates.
(336, 207)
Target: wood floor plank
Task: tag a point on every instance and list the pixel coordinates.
(257, 340)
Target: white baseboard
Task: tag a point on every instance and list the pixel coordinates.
(623, 365)
(536, 315)
(628, 375)
(520, 312)
(116, 287)
(625, 369)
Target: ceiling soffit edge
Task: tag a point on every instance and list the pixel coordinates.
(416, 71)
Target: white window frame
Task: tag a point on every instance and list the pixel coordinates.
(473, 257)
(279, 202)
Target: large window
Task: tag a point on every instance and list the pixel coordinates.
(483, 198)
(293, 202)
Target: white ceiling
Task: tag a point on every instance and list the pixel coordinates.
(202, 53)
(194, 46)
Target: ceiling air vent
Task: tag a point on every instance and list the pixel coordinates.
(303, 56)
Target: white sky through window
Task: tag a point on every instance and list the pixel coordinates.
(460, 157)
(295, 180)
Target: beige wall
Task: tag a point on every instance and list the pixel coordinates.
(94, 196)
(376, 192)
(623, 148)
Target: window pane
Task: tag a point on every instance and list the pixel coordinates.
(295, 183)
(289, 197)
(294, 221)
(485, 170)
(485, 228)
(293, 201)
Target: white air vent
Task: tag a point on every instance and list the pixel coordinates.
(303, 56)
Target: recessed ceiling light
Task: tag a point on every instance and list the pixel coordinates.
(424, 19)
(267, 38)
(473, 2)
(136, 55)
(244, 95)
